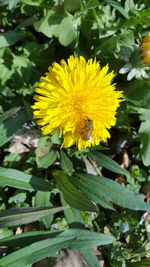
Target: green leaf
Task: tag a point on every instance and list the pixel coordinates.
(138, 93)
(117, 7)
(55, 138)
(90, 257)
(10, 37)
(144, 134)
(32, 2)
(73, 216)
(75, 220)
(27, 22)
(42, 199)
(9, 113)
(60, 24)
(24, 215)
(13, 121)
(142, 263)
(18, 195)
(129, 6)
(95, 195)
(47, 160)
(73, 239)
(90, 4)
(44, 156)
(98, 187)
(5, 232)
(18, 179)
(12, 4)
(107, 163)
(72, 195)
(72, 6)
(65, 162)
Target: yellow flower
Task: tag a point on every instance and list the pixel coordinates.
(77, 98)
(145, 50)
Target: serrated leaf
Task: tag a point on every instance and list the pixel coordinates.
(118, 7)
(98, 187)
(60, 24)
(18, 179)
(129, 6)
(72, 196)
(24, 215)
(107, 163)
(73, 239)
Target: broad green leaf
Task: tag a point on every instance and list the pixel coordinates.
(73, 216)
(13, 3)
(75, 220)
(5, 232)
(9, 113)
(18, 179)
(73, 239)
(32, 2)
(129, 6)
(10, 125)
(65, 162)
(42, 199)
(26, 239)
(95, 195)
(117, 7)
(27, 22)
(138, 93)
(19, 195)
(107, 163)
(60, 24)
(45, 155)
(98, 187)
(72, 195)
(55, 138)
(71, 5)
(10, 37)
(144, 134)
(24, 215)
(47, 160)
(90, 257)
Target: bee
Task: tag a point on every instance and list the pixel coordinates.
(86, 131)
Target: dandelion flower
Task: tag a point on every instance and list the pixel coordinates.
(77, 98)
(145, 50)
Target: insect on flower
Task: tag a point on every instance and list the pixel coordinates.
(86, 131)
(77, 98)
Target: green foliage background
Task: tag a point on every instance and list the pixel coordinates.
(63, 190)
